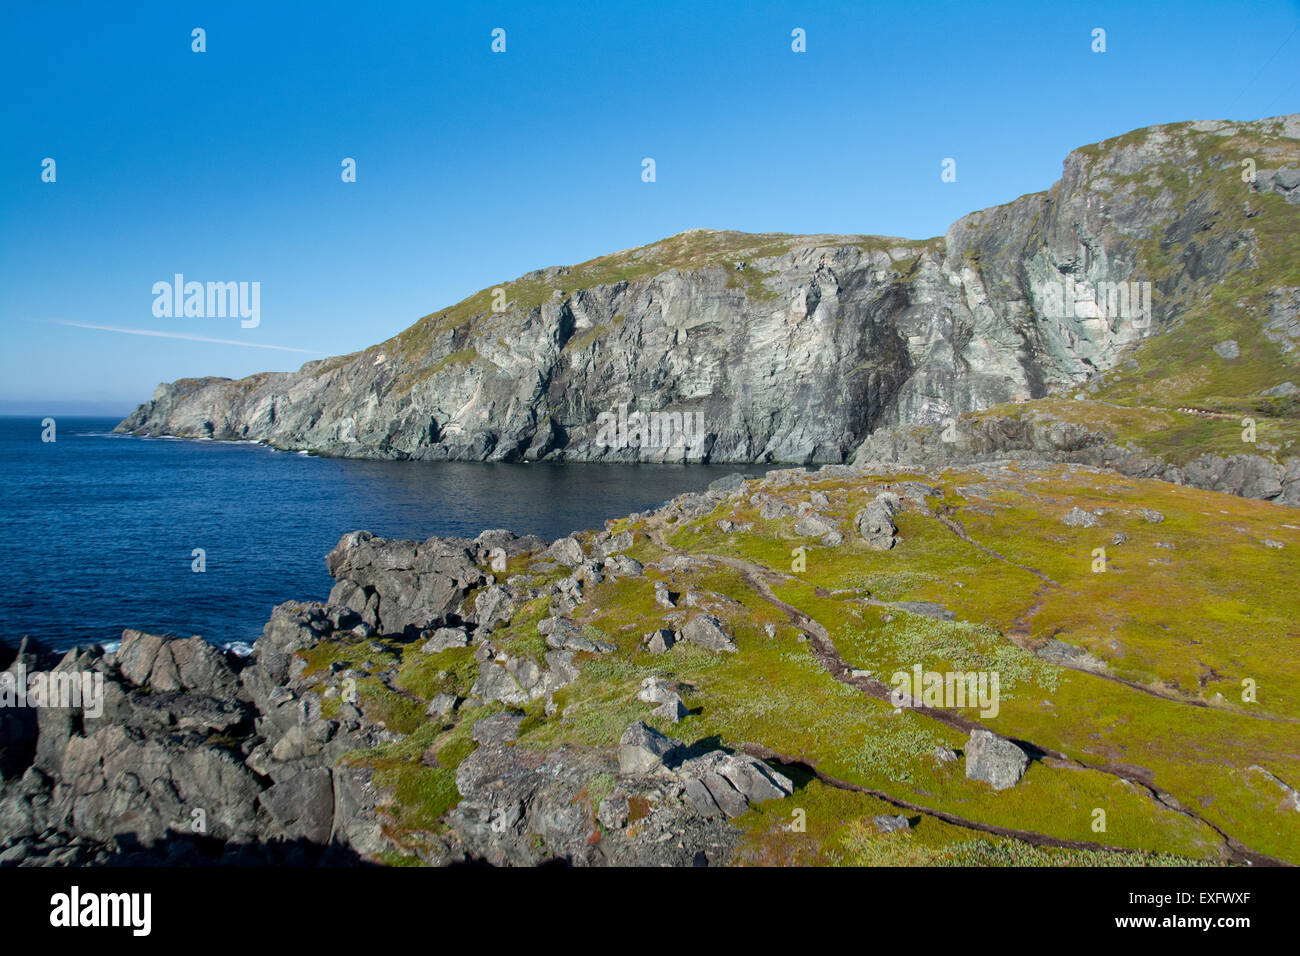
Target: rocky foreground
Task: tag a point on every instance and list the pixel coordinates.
(709, 683)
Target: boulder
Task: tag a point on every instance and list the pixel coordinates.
(888, 824)
(813, 525)
(441, 705)
(443, 638)
(567, 551)
(728, 783)
(642, 750)
(875, 522)
(707, 631)
(497, 729)
(659, 641)
(994, 760)
(1078, 518)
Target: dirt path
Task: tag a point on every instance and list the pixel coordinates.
(1232, 851)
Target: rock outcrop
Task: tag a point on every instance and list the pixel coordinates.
(776, 347)
(193, 755)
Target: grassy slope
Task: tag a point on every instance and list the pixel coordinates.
(1187, 608)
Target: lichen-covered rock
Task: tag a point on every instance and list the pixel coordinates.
(642, 750)
(875, 522)
(994, 760)
(708, 632)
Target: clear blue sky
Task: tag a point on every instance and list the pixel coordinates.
(474, 167)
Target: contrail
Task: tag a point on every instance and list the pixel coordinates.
(188, 337)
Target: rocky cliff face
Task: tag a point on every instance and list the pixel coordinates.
(788, 348)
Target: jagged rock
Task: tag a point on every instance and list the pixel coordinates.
(707, 631)
(172, 664)
(774, 509)
(117, 781)
(493, 605)
(567, 551)
(445, 637)
(520, 807)
(497, 729)
(303, 805)
(417, 583)
(656, 690)
(728, 783)
(659, 641)
(642, 750)
(813, 525)
(441, 705)
(875, 522)
(613, 811)
(622, 564)
(672, 710)
(994, 760)
(564, 634)
(607, 545)
(496, 683)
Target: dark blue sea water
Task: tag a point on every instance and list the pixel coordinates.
(99, 528)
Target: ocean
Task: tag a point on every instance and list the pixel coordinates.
(100, 529)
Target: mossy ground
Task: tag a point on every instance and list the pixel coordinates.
(1186, 610)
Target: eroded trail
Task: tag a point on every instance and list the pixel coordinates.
(758, 578)
(1021, 633)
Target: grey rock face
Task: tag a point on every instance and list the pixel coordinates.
(994, 760)
(817, 342)
(1227, 349)
(303, 805)
(415, 583)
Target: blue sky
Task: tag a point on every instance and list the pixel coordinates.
(474, 167)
